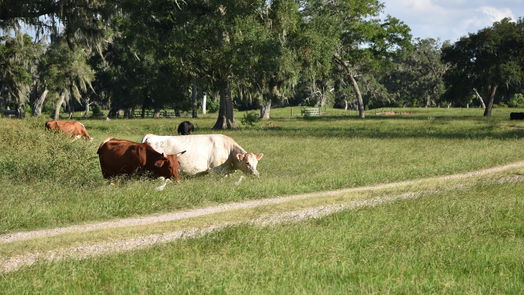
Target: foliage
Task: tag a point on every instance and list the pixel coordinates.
(416, 78)
(97, 111)
(250, 119)
(156, 54)
(65, 72)
(488, 60)
(517, 101)
(18, 60)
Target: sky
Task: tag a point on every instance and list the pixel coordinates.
(451, 19)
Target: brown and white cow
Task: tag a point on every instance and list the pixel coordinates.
(72, 128)
(206, 152)
(123, 157)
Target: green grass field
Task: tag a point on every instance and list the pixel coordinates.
(47, 180)
(464, 241)
(457, 243)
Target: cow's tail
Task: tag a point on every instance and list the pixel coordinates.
(146, 137)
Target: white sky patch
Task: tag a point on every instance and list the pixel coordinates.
(451, 19)
(495, 14)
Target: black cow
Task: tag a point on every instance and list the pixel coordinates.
(516, 116)
(185, 128)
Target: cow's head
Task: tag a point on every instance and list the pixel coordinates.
(168, 165)
(248, 163)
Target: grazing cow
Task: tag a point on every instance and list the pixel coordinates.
(185, 128)
(72, 128)
(206, 152)
(119, 157)
(516, 116)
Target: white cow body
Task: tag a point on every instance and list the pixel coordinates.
(205, 152)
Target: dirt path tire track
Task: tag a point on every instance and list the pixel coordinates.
(125, 222)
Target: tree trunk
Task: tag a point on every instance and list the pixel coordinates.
(143, 114)
(265, 110)
(226, 119)
(493, 91)
(128, 113)
(39, 103)
(323, 98)
(194, 99)
(88, 103)
(20, 111)
(351, 76)
(360, 101)
(204, 102)
(480, 98)
(113, 112)
(156, 113)
(70, 107)
(58, 105)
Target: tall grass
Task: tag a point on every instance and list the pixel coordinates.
(48, 180)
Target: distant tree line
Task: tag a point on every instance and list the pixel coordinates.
(140, 55)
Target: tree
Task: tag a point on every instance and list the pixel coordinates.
(417, 74)
(223, 47)
(76, 20)
(278, 68)
(487, 60)
(18, 60)
(65, 72)
(358, 41)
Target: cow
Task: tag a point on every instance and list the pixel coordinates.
(123, 157)
(516, 116)
(185, 128)
(206, 153)
(71, 128)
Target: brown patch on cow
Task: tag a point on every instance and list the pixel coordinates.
(123, 157)
(71, 128)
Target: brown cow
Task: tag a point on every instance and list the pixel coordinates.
(123, 157)
(72, 128)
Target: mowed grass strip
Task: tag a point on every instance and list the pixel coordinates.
(330, 202)
(48, 181)
(456, 242)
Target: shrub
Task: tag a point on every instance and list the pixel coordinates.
(516, 101)
(97, 111)
(212, 105)
(250, 119)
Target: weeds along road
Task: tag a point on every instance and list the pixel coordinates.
(21, 249)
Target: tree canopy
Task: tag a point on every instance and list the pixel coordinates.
(146, 54)
(490, 59)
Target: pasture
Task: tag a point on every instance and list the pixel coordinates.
(464, 240)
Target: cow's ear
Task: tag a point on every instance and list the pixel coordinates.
(260, 156)
(240, 156)
(159, 163)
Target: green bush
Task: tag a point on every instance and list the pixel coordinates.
(212, 105)
(250, 119)
(516, 101)
(97, 111)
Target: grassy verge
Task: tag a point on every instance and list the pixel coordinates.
(459, 242)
